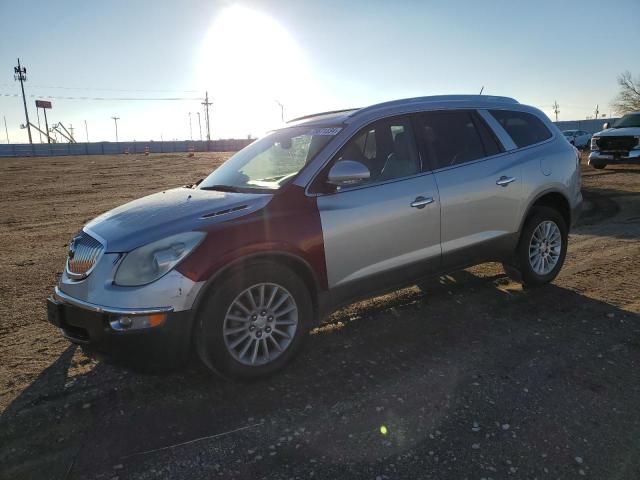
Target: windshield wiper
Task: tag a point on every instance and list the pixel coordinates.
(221, 188)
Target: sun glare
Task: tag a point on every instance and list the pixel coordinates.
(247, 62)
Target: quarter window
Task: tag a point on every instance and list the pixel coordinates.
(524, 128)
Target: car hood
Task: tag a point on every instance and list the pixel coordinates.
(166, 213)
(619, 132)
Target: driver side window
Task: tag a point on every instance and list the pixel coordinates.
(387, 148)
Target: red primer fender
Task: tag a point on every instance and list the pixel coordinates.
(289, 223)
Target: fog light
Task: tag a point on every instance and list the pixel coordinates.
(138, 322)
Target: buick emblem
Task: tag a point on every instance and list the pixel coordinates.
(72, 248)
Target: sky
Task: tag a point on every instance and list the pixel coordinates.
(253, 56)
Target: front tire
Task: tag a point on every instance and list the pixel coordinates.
(598, 166)
(542, 247)
(254, 321)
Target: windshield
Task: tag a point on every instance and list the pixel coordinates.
(629, 120)
(271, 161)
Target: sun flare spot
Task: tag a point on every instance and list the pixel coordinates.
(248, 61)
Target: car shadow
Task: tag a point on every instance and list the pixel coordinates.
(425, 363)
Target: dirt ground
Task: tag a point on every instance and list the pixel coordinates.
(471, 377)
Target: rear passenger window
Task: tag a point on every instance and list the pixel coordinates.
(524, 128)
(452, 137)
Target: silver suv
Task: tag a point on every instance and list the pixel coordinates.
(332, 208)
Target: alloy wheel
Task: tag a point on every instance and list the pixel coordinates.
(260, 324)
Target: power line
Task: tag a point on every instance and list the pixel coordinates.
(118, 99)
(107, 89)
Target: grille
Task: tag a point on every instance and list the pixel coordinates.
(84, 252)
(617, 144)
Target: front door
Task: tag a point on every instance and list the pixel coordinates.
(384, 231)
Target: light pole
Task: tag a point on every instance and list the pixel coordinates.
(199, 126)
(281, 110)
(115, 120)
(190, 129)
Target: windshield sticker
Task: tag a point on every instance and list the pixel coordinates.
(324, 131)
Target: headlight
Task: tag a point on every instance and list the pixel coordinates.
(594, 143)
(148, 263)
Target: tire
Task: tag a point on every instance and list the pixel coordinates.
(536, 271)
(229, 355)
(598, 166)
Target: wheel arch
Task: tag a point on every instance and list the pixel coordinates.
(552, 199)
(298, 265)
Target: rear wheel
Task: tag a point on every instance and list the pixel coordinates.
(542, 248)
(254, 321)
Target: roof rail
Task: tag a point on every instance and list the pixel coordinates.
(305, 117)
(436, 98)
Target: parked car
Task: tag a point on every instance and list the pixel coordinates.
(578, 138)
(617, 143)
(332, 208)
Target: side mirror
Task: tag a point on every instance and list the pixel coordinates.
(348, 172)
(606, 125)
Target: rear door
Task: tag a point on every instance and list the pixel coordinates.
(384, 231)
(479, 185)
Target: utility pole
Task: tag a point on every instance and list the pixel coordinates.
(86, 130)
(206, 104)
(190, 129)
(597, 110)
(20, 73)
(199, 125)
(71, 131)
(115, 120)
(6, 130)
(556, 109)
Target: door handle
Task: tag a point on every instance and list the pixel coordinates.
(504, 181)
(421, 202)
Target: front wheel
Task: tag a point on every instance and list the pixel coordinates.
(254, 321)
(598, 166)
(542, 247)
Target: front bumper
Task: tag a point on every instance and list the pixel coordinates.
(633, 156)
(99, 329)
